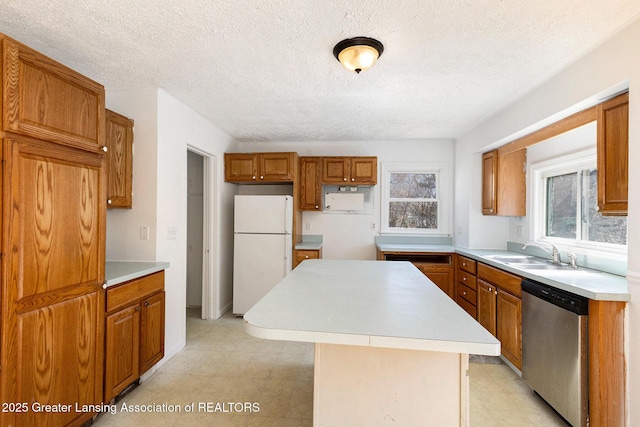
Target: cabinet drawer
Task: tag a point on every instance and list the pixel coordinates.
(467, 293)
(505, 281)
(131, 292)
(467, 264)
(467, 306)
(467, 279)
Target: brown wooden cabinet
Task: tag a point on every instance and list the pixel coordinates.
(613, 155)
(305, 254)
(504, 183)
(438, 267)
(46, 100)
(487, 306)
(500, 309)
(466, 286)
(119, 142)
(350, 170)
(311, 183)
(260, 168)
(53, 271)
(53, 239)
(134, 331)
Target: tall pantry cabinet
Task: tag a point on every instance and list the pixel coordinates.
(53, 213)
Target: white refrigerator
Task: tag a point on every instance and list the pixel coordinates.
(262, 247)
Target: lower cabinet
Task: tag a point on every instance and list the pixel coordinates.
(304, 254)
(441, 275)
(438, 267)
(500, 309)
(134, 331)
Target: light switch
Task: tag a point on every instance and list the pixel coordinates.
(172, 232)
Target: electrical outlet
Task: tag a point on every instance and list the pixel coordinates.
(144, 232)
(373, 225)
(308, 225)
(172, 232)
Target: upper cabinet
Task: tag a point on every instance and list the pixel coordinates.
(311, 183)
(504, 183)
(350, 170)
(613, 155)
(260, 167)
(46, 100)
(119, 141)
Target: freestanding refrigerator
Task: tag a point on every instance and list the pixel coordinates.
(262, 247)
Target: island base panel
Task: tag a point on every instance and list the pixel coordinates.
(373, 386)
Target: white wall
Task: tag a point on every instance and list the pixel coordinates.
(350, 236)
(163, 129)
(123, 225)
(613, 65)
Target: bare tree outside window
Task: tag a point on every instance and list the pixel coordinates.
(571, 210)
(413, 201)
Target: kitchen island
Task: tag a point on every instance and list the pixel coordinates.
(390, 347)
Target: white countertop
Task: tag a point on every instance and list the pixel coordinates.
(592, 284)
(366, 303)
(117, 272)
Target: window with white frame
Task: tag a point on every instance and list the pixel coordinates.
(414, 198)
(565, 197)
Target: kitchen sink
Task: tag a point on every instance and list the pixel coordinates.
(519, 259)
(537, 265)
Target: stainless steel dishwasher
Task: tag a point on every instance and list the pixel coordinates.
(554, 349)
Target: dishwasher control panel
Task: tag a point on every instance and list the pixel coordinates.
(572, 302)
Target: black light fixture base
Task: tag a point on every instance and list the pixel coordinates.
(357, 41)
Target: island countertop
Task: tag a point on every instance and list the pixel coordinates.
(367, 303)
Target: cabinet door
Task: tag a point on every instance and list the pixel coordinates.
(335, 170)
(489, 183)
(441, 276)
(487, 306)
(49, 101)
(613, 155)
(511, 183)
(151, 331)
(240, 167)
(311, 186)
(53, 248)
(364, 170)
(122, 352)
(119, 141)
(509, 326)
(276, 167)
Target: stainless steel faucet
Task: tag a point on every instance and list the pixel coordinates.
(553, 252)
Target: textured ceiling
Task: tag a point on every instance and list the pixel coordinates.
(264, 70)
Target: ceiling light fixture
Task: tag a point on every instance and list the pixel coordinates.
(358, 53)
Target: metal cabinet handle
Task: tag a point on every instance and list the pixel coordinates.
(261, 176)
(464, 292)
(464, 279)
(344, 179)
(253, 177)
(105, 148)
(316, 206)
(104, 285)
(109, 201)
(146, 303)
(490, 290)
(464, 264)
(138, 308)
(353, 179)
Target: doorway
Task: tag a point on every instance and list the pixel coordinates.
(201, 292)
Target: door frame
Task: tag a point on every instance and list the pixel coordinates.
(210, 284)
